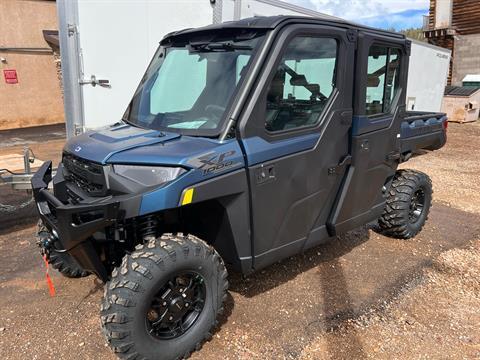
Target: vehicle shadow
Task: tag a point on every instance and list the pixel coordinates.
(287, 269)
(334, 275)
(228, 306)
(335, 305)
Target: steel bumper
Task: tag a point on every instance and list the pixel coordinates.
(74, 225)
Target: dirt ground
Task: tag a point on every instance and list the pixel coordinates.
(361, 296)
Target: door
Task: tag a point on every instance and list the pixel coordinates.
(296, 139)
(379, 106)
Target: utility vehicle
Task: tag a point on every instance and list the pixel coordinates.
(245, 143)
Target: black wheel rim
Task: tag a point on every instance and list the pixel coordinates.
(176, 306)
(417, 204)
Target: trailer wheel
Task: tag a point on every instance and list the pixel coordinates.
(408, 204)
(63, 262)
(163, 301)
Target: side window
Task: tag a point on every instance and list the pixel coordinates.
(242, 61)
(382, 79)
(303, 82)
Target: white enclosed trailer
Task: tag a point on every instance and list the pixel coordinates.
(106, 46)
(427, 76)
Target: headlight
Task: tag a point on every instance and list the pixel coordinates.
(148, 175)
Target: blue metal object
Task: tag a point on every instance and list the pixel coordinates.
(204, 158)
(169, 196)
(422, 126)
(363, 124)
(259, 150)
(100, 145)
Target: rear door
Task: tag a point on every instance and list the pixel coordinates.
(295, 135)
(379, 105)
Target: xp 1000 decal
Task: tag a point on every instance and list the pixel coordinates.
(213, 162)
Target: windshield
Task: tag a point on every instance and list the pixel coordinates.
(187, 88)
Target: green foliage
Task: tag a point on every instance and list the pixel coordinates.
(416, 34)
(412, 33)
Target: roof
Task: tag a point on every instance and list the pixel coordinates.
(271, 22)
(460, 91)
(472, 78)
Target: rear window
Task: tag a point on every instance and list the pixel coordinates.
(382, 79)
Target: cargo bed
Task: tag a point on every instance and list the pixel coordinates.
(422, 131)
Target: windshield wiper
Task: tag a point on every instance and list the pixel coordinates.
(217, 46)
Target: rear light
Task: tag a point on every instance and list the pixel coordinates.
(445, 125)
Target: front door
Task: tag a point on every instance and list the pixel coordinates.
(296, 139)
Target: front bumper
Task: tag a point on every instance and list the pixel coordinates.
(74, 225)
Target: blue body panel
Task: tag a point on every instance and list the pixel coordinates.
(259, 150)
(169, 196)
(422, 126)
(125, 144)
(100, 145)
(176, 151)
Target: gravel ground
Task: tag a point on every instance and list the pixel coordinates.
(360, 296)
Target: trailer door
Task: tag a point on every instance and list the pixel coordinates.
(427, 77)
(115, 42)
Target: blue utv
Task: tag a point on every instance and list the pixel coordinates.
(245, 143)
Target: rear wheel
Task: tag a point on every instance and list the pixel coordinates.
(164, 299)
(407, 206)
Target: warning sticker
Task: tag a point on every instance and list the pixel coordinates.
(10, 76)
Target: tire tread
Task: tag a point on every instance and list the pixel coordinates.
(394, 221)
(126, 282)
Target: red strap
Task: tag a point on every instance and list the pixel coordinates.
(51, 288)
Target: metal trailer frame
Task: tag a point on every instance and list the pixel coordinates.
(67, 12)
(20, 180)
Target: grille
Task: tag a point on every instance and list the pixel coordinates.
(87, 175)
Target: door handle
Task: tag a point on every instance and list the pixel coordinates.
(338, 169)
(94, 82)
(265, 174)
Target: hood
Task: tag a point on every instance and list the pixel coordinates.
(126, 144)
(100, 145)
(182, 150)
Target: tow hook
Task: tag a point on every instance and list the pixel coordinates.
(45, 242)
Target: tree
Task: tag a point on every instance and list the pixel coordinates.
(412, 33)
(415, 34)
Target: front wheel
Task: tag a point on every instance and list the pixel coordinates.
(61, 261)
(164, 299)
(407, 206)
